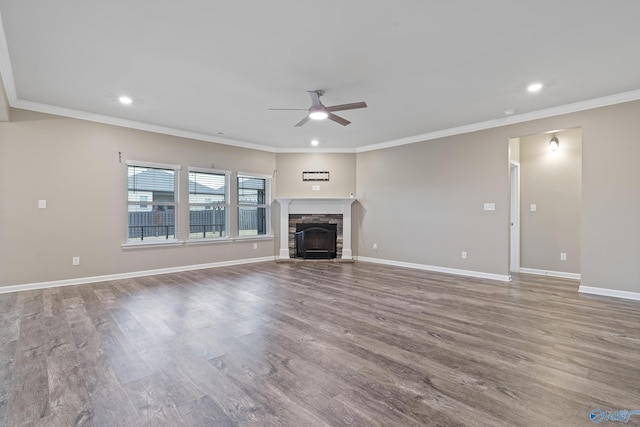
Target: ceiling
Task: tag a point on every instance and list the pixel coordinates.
(213, 69)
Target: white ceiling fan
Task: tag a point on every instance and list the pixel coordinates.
(318, 111)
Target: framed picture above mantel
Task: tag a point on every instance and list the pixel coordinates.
(315, 176)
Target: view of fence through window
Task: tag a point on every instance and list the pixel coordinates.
(151, 203)
(208, 200)
(253, 203)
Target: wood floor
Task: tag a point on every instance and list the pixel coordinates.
(315, 344)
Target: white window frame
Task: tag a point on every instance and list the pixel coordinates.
(226, 204)
(176, 205)
(267, 205)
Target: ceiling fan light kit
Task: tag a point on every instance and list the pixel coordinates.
(318, 111)
(318, 115)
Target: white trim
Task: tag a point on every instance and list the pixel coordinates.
(227, 196)
(253, 175)
(209, 170)
(153, 165)
(6, 70)
(609, 292)
(514, 215)
(605, 101)
(250, 238)
(6, 74)
(207, 241)
(332, 150)
(131, 124)
(559, 274)
(177, 169)
(490, 124)
(477, 274)
(310, 206)
(152, 244)
(268, 184)
(120, 276)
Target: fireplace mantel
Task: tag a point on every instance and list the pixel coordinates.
(315, 206)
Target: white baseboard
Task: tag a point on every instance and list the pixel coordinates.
(130, 275)
(478, 274)
(609, 292)
(559, 274)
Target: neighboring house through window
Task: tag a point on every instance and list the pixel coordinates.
(254, 197)
(152, 199)
(208, 203)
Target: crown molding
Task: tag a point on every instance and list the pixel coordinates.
(6, 76)
(504, 121)
(334, 150)
(6, 71)
(99, 118)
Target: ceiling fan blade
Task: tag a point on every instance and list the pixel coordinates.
(288, 109)
(338, 119)
(303, 121)
(351, 106)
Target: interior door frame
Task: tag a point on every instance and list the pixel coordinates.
(514, 217)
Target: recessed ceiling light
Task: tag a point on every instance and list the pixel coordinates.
(315, 142)
(534, 87)
(125, 100)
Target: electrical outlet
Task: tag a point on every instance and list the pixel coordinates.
(75, 260)
(255, 246)
(563, 256)
(464, 254)
(375, 246)
(42, 204)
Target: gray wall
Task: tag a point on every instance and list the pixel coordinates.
(552, 181)
(610, 232)
(422, 203)
(341, 168)
(74, 165)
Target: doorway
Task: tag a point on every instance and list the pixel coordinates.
(545, 182)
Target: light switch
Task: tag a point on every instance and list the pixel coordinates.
(489, 206)
(533, 207)
(42, 204)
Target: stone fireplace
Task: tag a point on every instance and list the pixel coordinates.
(294, 212)
(308, 240)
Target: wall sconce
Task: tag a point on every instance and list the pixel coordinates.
(554, 144)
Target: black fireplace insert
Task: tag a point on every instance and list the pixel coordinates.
(316, 241)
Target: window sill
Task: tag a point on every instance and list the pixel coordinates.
(250, 238)
(156, 244)
(210, 241)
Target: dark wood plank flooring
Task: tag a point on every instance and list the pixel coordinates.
(316, 344)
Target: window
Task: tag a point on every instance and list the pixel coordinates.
(254, 196)
(152, 201)
(208, 203)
